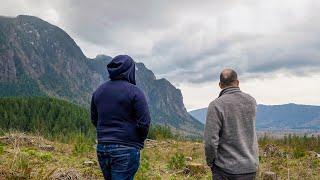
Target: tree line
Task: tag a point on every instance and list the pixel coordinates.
(56, 119)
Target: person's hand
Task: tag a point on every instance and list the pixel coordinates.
(210, 164)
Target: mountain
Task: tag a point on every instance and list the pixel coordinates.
(40, 59)
(292, 116)
(199, 114)
(279, 117)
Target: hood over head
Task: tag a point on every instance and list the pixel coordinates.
(122, 67)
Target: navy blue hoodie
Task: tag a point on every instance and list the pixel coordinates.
(118, 107)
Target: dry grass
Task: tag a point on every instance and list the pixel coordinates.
(23, 157)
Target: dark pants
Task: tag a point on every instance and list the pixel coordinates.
(118, 162)
(219, 174)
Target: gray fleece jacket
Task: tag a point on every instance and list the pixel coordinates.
(230, 136)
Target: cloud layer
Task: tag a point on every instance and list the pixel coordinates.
(191, 41)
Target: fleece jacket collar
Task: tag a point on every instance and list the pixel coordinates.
(229, 90)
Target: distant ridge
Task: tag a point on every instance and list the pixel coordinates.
(280, 117)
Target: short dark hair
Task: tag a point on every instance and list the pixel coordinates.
(228, 76)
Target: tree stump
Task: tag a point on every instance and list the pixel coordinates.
(268, 175)
(46, 147)
(88, 163)
(189, 158)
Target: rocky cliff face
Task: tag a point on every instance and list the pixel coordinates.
(37, 58)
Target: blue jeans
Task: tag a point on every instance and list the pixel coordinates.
(118, 162)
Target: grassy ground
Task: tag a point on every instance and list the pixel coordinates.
(32, 157)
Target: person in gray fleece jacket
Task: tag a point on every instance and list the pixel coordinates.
(231, 145)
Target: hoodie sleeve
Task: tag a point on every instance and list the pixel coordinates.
(211, 133)
(94, 112)
(142, 113)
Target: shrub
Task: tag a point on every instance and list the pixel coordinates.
(30, 152)
(305, 143)
(81, 144)
(144, 167)
(2, 132)
(298, 153)
(315, 163)
(1, 149)
(80, 148)
(160, 132)
(20, 167)
(45, 156)
(177, 161)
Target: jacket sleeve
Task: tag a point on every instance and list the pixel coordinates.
(211, 133)
(142, 113)
(94, 112)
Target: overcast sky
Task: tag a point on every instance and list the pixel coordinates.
(274, 45)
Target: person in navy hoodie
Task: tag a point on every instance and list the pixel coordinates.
(120, 113)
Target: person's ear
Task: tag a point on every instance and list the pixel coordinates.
(220, 85)
(237, 83)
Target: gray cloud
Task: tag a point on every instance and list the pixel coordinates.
(189, 41)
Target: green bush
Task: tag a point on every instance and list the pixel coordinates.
(45, 156)
(144, 167)
(1, 149)
(81, 144)
(21, 167)
(23, 161)
(30, 152)
(80, 148)
(2, 132)
(160, 132)
(301, 143)
(298, 153)
(177, 161)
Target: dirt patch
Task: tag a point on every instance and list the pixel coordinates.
(66, 174)
(21, 139)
